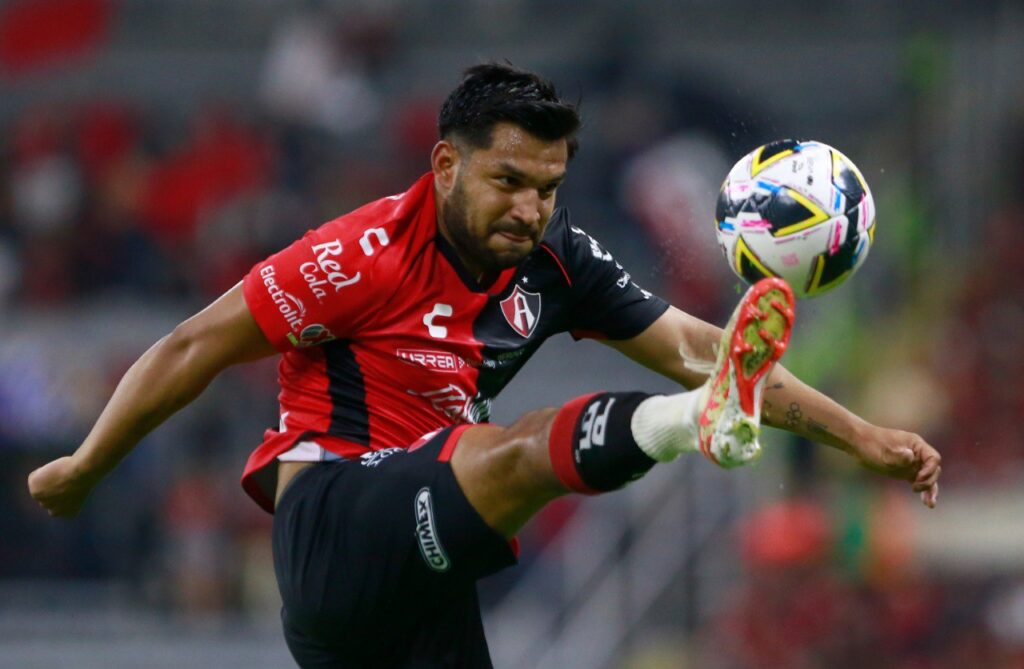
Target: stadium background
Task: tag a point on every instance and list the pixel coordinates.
(151, 151)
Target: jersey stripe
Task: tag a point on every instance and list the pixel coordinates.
(558, 262)
(350, 418)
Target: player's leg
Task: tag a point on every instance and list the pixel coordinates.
(377, 561)
(601, 442)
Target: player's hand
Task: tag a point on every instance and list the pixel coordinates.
(60, 487)
(906, 456)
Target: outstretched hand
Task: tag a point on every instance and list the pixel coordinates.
(60, 487)
(906, 456)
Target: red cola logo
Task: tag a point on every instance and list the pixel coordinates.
(326, 271)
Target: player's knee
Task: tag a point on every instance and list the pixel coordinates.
(516, 455)
(524, 444)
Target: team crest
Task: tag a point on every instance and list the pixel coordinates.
(522, 311)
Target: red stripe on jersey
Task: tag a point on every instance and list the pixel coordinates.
(502, 281)
(304, 398)
(558, 262)
(560, 445)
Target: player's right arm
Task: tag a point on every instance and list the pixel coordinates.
(168, 376)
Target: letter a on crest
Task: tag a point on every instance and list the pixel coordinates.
(522, 311)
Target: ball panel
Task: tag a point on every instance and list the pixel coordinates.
(748, 265)
(768, 154)
(847, 176)
(790, 212)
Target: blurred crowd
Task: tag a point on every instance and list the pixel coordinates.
(797, 609)
(113, 201)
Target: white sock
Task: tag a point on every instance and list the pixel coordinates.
(665, 426)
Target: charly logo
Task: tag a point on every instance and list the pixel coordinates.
(380, 234)
(326, 271)
(522, 311)
(440, 310)
(290, 306)
(426, 533)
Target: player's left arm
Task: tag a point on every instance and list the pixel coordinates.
(789, 403)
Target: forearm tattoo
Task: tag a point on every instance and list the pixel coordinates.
(820, 429)
(793, 416)
(795, 419)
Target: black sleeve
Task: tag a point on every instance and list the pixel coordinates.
(608, 304)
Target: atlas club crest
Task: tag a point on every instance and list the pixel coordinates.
(522, 311)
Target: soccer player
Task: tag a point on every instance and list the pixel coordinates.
(397, 324)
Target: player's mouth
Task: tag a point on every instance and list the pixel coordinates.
(516, 239)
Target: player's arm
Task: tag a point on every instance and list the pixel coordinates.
(789, 403)
(168, 376)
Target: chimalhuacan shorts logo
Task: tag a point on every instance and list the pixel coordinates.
(426, 533)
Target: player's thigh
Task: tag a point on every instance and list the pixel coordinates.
(361, 547)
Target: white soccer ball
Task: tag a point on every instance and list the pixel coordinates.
(799, 210)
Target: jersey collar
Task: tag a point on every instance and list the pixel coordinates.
(493, 288)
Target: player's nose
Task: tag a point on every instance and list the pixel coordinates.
(527, 208)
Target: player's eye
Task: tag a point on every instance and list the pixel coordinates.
(508, 182)
(546, 193)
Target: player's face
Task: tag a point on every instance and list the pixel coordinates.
(500, 199)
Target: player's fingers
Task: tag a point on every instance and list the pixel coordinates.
(930, 497)
(927, 469)
(925, 453)
(922, 485)
(927, 476)
(900, 457)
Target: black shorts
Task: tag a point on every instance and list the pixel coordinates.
(377, 562)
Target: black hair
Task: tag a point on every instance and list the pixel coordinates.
(493, 93)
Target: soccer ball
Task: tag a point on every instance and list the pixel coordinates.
(797, 210)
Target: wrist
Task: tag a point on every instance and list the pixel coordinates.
(862, 434)
(84, 469)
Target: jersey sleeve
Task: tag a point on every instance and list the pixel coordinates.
(318, 289)
(609, 304)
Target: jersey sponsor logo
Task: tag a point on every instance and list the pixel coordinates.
(326, 271)
(291, 307)
(595, 247)
(439, 311)
(439, 361)
(522, 311)
(455, 403)
(451, 400)
(503, 359)
(374, 458)
(594, 425)
(311, 335)
(426, 533)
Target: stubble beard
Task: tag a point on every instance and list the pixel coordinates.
(456, 222)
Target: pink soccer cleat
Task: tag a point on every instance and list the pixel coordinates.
(730, 406)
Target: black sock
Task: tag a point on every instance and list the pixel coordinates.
(592, 446)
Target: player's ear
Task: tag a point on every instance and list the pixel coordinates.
(444, 161)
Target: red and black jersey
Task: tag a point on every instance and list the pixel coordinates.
(385, 337)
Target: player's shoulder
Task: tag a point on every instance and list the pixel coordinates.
(569, 242)
(560, 234)
(381, 234)
(385, 224)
